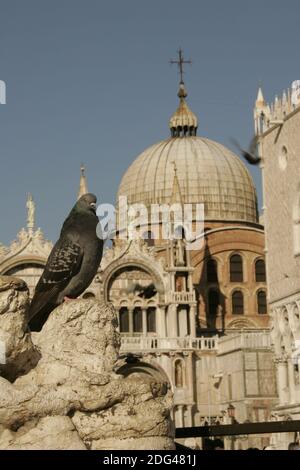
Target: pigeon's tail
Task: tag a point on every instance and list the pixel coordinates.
(39, 310)
(38, 321)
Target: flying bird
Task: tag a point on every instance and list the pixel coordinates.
(251, 154)
(72, 263)
(145, 292)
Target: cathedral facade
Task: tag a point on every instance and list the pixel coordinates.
(197, 319)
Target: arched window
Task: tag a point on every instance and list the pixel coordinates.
(124, 320)
(236, 269)
(262, 302)
(179, 374)
(151, 320)
(137, 320)
(213, 302)
(260, 271)
(237, 303)
(212, 270)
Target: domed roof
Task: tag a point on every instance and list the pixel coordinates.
(207, 173)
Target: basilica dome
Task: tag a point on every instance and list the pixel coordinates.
(207, 173)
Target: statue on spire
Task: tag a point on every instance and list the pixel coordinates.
(30, 205)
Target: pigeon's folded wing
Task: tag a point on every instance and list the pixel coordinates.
(63, 263)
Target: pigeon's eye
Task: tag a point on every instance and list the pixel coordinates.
(93, 205)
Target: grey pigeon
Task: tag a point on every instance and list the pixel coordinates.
(251, 154)
(146, 292)
(72, 263)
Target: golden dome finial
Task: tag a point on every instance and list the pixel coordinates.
(183, 122)
(182, 91)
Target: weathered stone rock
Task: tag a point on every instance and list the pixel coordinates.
(74, 383)
(52, 433)
(142, 443)
(18, 350)
(141, 415)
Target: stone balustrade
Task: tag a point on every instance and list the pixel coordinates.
(181, 297)
(245, 340)
(148, 343)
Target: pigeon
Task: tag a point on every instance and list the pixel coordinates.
(251, 154)
(72, 263)
(145, 292)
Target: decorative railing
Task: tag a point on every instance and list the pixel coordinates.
(148, 343)
(181, 297)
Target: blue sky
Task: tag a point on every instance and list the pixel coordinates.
(89, 81)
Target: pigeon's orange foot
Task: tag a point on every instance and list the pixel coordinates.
(68, 299)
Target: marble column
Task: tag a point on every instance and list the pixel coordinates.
(172, 322)
(189, 375)
(182, 315)
(193, 321)
(190, 283)
(119, 323)
(282, 380)
(291, 375)
(144, 313)
(130, 314)
(161, 324)
(180, 420)
(189, 409)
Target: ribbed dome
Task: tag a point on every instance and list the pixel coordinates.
(207, 172)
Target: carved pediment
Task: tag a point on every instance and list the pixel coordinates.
(28, 243)
(134, 249)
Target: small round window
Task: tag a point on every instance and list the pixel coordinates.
(283, 158)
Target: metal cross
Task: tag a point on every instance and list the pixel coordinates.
(180, 62)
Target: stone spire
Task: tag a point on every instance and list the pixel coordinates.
(261, 112)
(83, 189)
(183, 122)
(260, 100)
(176, 192)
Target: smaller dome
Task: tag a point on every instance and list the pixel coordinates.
(184, 121)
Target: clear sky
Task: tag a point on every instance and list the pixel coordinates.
(89, 81)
